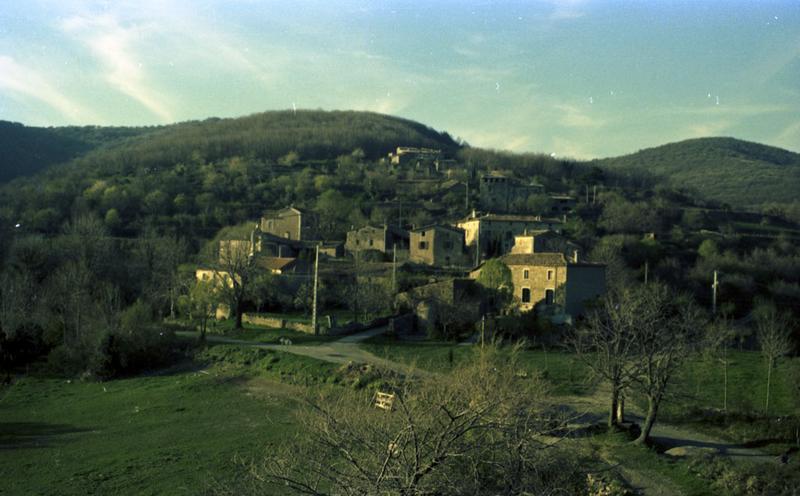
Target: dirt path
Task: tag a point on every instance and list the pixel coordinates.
(343, 350)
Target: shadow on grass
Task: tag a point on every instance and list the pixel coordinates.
(14, 435)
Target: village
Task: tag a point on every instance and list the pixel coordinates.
(548, 275)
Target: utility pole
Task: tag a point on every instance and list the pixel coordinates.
(646, 267)
(714, 294)
(478, 245)
(483, 329)
(466, 198)
(314, 304)
(594, 195)
(394, 269)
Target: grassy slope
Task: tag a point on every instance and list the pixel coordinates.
(737, 172)
(168, 434)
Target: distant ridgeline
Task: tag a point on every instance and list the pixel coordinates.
(25, 150)
(266, 136)
(736, 172)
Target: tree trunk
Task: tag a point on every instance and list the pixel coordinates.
(612, 412)
(238, 324)
(725, 385)
(652, 410)
(769, 380)
(621, 408)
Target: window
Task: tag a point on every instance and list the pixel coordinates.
(370, 242)
(526, 295)
(549, 275)
(423, 245)
(423, 234)
(549, 296)
(525, 274)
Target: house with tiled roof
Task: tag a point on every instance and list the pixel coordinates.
(493, 234)
(553, 283)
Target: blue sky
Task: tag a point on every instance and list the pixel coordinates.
(575, 78)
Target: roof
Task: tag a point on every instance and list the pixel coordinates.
(282, 212)
(535, 259)
(510, 218)
(275, 263)
(537, 232)
(390, 229)
(439, 226)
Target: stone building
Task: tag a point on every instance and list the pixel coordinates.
(493, 234)
(290, 223)
(383, 239)
(544, 242)
(408, 154)
(439, 245)
(551, 283)
(498, 192)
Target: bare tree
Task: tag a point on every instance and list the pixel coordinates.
(607, 345)
(772, 330)
(478, 431)
(666, 329)
(718, 338)
(199, 305)
(233, 271)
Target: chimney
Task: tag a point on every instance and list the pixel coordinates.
(575, 256)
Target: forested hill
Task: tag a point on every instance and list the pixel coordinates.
(736, 172)
(25, 150)
(195, 177)
(267, 136)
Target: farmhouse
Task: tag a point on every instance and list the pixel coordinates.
(438, 245)
(493, 234)
(383, 239)
(290, 223)
(551, 283)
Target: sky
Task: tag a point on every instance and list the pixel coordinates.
(574, 78)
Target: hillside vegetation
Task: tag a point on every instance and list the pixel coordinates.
(25, 150)
(728, 170)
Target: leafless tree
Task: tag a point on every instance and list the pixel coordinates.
(719, 337)
(233, 269)
(481, 430)
(772, 330)
(666, 334)
(607, 344)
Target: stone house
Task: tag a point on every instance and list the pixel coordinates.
(551, 283)
(498, 192)
(383, 239)
(493, 234)
(290, 223)
(408, 154)
(545, 241)
(438, 245)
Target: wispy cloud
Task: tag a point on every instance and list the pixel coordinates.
(22, 80)
(113, 45)
(567, 9)
(573, 116)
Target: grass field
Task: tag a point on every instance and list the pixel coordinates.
(173, 434)
(698, 385)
